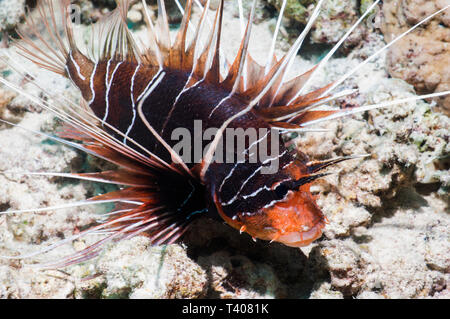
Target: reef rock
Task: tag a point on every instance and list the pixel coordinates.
(421, 58)
(11, 12)
(296, 10)
(336, 18)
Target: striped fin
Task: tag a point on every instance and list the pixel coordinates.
(152, 55)
(233, 78)
(163, 32)
(213, 73)
(128, 194)
(142, 209)
(111, 38)
(311, 116)
(49, 52)
(281, 111)
(295, 124)
(255, 71)
(111, 151)
(204, 60)
(192, 51)
(117, 177)
(178, 50)
(280, 93)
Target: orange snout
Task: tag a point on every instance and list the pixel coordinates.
(296, 221)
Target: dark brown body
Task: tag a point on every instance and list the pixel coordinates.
(118, 86)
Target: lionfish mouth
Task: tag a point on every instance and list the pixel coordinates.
(302, 238)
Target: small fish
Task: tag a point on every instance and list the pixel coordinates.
(136, 94)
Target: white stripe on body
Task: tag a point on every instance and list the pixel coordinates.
(92, 84)
(77, 67)
(108, 88)
(244, 153)
(149, 84)
(231, 201)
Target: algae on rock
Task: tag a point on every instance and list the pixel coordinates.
(336, 17)
(295, 9)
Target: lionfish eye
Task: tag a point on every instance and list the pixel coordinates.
(281, 191)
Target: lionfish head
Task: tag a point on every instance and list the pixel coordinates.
(284, 212)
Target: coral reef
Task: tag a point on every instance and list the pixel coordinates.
(134, 269)
(388, 232)
(11, 13)
(297, 10)
(423, 57)
(336, 18)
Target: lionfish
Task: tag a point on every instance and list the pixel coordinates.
(135, 93)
